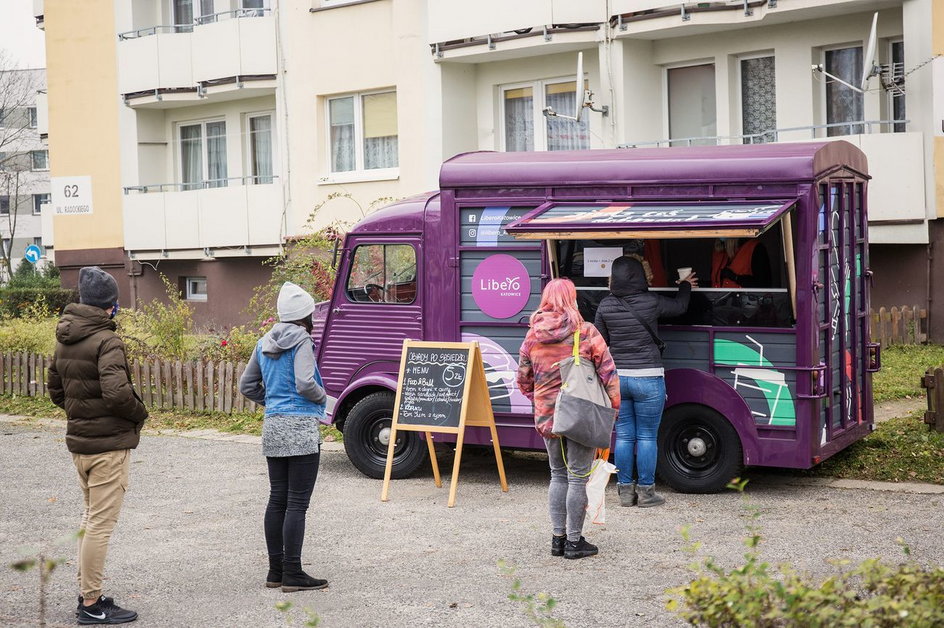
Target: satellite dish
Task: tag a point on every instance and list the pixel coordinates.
(869, 67)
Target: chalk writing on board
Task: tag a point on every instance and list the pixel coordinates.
(431, 387)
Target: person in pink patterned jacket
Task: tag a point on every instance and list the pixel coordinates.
(550, 340)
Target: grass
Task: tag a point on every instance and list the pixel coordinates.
(899, 450)
(902, 369)
(160, 420)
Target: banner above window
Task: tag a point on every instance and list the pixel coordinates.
(573, 221)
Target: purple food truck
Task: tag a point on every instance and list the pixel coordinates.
(775, 374)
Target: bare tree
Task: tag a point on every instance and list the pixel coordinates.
(19, 149)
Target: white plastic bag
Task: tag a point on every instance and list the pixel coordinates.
(596, 490)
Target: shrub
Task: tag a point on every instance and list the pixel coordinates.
(754, 594)
(160, 329)
(15, 301)
(34, 332)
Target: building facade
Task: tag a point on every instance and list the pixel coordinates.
(24, 167)
(235, 124)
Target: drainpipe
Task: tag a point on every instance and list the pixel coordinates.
(929, 283)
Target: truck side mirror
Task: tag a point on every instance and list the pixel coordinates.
(334, 255)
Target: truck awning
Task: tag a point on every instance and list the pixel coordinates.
(599, 221)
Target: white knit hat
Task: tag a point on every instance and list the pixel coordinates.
(294, 303)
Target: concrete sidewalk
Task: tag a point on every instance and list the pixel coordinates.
(189, 549)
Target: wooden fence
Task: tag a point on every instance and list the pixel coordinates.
(905, 325)
(162, 385)
(933, 381)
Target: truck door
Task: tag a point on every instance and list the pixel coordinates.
(843, 306)
(377, 304)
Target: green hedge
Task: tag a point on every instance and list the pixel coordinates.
(18, 301)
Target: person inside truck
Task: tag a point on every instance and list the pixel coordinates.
(740, 263)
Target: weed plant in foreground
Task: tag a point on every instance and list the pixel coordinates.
(757, 594)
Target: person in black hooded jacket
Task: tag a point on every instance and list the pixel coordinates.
(642, 377)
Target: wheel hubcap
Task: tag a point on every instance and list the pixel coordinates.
(697, 447)
(383, 437)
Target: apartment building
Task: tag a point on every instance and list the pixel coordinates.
(236, 119)
(24, 167)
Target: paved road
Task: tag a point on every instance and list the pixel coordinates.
(188, 550)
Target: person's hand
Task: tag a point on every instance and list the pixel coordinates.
(692, 279)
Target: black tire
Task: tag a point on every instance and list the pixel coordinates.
(699, 450)
(364, 441)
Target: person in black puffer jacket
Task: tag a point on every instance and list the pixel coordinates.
(642, 377)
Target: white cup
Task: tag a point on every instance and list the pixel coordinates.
(684, 272)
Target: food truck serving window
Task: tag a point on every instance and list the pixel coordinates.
(570, 221)
(741, 252)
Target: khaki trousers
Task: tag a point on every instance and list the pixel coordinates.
(104, 480)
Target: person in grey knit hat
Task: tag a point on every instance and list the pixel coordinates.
(282, 375)
(89, 378)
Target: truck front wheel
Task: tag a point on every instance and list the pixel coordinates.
(699, 450)
(367, 437)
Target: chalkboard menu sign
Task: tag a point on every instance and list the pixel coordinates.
(441, 388)
(432, 386)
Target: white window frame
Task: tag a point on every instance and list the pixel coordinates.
(739, 77)
(359, 173)
(33, 116)
(33, 160)
(38, 207)
(205, 176)
(539, 102)
(247, 146)
(195, 296)
(823, 97)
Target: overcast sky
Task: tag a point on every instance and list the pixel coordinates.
(19, 37)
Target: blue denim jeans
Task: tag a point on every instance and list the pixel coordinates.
(637, 427)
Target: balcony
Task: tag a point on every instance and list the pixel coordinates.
(159, 219)
(459, 31)
(897, 209)
(221, 57)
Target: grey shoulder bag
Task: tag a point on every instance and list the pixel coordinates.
(583, 412)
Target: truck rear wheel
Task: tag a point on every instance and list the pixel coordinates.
(367, 437)
(699, 450)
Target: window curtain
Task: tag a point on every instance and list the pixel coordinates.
(341, 115)
(844, 104)
(758, 99)
(519, 119)
(260, 147)
(565, 134)
(191, 156)
(216, 154)
(380, 131)
(898, 72)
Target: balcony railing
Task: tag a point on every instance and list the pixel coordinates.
(200, 185)
(188, 28)
(166, 217)
(857, 127)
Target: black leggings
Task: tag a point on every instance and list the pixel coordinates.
(291, 481)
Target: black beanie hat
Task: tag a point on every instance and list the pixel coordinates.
(96, 287)
(627, 276)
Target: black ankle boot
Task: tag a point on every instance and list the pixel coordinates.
(557, 545)
(274, 577)
(294, 579)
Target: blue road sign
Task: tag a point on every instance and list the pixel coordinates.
(33, 253)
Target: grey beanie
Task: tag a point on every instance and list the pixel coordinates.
(96, 287)
(294, 304)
